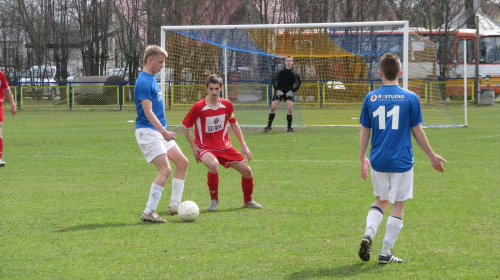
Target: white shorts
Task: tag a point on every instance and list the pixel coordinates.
(152, 143)
(393, 186)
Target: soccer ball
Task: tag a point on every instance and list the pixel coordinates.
(188, 211)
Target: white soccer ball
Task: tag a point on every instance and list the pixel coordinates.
(188, 211)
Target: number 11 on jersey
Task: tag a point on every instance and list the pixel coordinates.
(380, 113)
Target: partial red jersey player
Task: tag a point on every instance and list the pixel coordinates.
(212, 145)
(5, 91)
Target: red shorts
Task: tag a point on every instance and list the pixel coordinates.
(224, 157)
(1, 111)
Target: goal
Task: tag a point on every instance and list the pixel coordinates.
(337, 63)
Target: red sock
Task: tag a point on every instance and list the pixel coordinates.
(213, 185)
(1, 147)
(247, 187)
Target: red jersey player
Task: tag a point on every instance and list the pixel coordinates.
(5, 91)
(212, 145)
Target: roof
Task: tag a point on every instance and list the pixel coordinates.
(485, 22)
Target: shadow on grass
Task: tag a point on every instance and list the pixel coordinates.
(113, 225)
(223, 210)
(341, 271)
(96, 226)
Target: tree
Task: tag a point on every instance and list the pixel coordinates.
(92, 17)
(131, 29)
(33, 17)
(60, 26)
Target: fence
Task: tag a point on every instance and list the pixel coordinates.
(312, 93)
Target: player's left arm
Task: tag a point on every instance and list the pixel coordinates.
(13, 108)
(421, 138)
(237, 131)
(297, 81)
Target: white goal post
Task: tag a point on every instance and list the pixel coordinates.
(337, 64)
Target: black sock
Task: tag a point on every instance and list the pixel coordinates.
(289, 120)
(271, 118)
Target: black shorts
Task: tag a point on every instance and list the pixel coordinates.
(283, 97)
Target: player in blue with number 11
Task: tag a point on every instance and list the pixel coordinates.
(391, 115)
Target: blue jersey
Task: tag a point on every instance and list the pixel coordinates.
(146, 87)
(391, 112)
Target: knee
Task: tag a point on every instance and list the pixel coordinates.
(183, 164)
(165, 172)
(213, 167)
(246, 172)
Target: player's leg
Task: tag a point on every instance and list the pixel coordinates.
(272, 114)
(402, 189)
(381, 184)
(151, 144)
(210, 161)
(163, 166)
(375, 216)
(247, 183)
(373, 220)
(181, 165)
(2, 163)
(289, 115)
(393, 228)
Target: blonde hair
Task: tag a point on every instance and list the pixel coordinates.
(153, 50)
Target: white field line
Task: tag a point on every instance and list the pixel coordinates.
(480, 137)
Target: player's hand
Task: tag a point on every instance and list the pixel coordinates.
(169, 135)
(13, 110)
(365, 163)
(289, 93)
(246, 151)
(279, 93)
(437, 161)
(196, 153)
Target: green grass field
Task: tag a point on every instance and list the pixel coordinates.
(75, 184)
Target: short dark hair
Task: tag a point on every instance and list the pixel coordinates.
(213, 79)
(390, 66)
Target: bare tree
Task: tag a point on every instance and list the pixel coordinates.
(130, 29)
(439, 15)
(33, 15)
(92, 17)
(60, 27)
(12, 39)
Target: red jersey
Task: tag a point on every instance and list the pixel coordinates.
(3, 86)
(211, 131)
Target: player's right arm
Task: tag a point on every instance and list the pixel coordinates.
(276, 80)
(147, 106)
(187, 123)
(189, 138)
(421, 138)
(363, 148)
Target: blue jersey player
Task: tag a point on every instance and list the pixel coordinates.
(155, 141)
(391, 115)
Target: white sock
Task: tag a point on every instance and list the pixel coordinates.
(154, 198)
(393, 228)
(373, 220)
(177, 190)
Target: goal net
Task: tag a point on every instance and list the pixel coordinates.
(337, 63)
